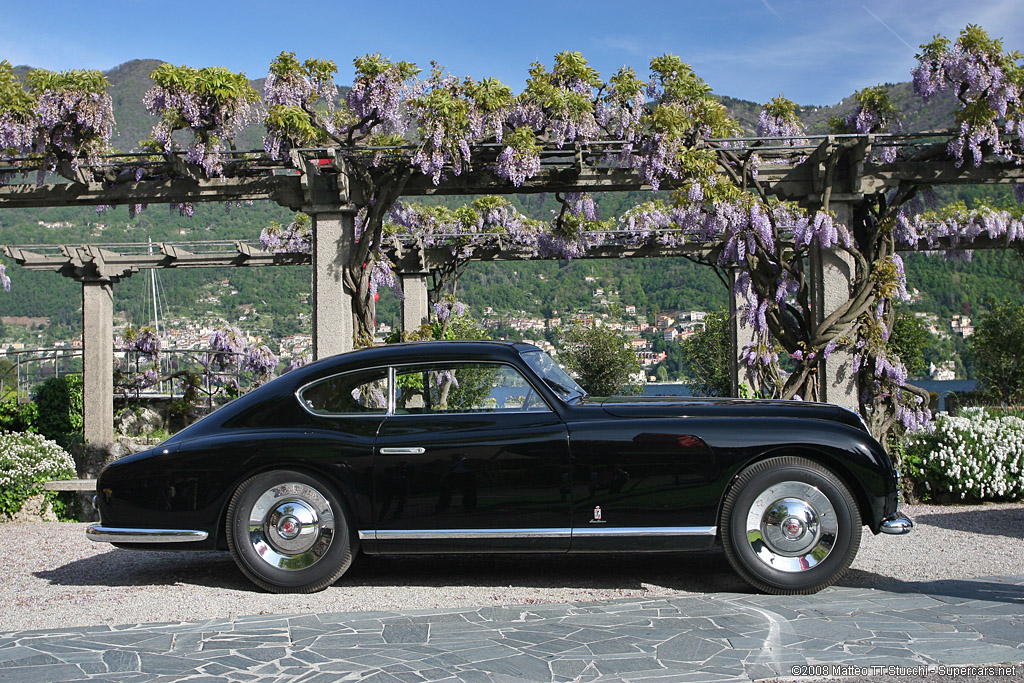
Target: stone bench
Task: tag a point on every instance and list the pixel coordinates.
(71, 485)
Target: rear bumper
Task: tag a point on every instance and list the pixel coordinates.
(106, 534)
(897, 523)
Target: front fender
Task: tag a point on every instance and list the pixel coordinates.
(852, 454)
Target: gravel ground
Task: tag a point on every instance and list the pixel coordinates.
(53, 577)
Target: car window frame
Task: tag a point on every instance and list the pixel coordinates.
(392, 376)
(393, 394)
(388, 399)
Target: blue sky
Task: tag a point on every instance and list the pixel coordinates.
(813, 51)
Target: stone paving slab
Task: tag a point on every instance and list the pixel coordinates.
(717, 638)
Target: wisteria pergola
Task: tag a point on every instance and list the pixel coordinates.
(834, 172)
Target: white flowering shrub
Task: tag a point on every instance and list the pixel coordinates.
(26, 461)
(976, 454)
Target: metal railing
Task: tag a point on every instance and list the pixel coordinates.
(31, 367)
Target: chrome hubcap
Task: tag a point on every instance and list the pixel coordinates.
(792, 526)
(291, 526)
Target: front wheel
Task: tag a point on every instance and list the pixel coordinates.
(790, 526)
(287, 532)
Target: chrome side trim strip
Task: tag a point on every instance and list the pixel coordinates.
(647, 531)
(106, 534)
(452, 534)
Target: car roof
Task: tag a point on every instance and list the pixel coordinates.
(421, 350)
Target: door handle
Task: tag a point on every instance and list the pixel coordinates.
(403, 450)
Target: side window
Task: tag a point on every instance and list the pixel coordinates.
(464, 388)
(353, 393)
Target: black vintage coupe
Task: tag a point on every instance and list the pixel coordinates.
(445, 447)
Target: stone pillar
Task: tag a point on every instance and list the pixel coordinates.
(333, 241)
(831, 275)
(741, 336)
(98, 361)
(415, 305)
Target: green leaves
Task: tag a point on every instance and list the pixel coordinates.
(217, 82)
(680, 82)
(489, 95)
(14, 100)
(370, 66)
(601, 359)
(86, 81)
(996, 346)
(560, 91)
(571, 67)
(293, 122)
(707, 357)
(26, 461)
(780, 106)
(522, 140)
(624, 86)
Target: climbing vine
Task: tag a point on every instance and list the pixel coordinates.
(396, 121)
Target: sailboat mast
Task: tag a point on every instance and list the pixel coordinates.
(152, 284)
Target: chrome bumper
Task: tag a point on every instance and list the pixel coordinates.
(106, 534)
(897, 523)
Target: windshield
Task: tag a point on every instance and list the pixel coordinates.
(553, 375)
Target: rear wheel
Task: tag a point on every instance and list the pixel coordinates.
(790, 526)
(287, 532)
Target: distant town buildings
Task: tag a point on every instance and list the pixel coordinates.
(961, 325)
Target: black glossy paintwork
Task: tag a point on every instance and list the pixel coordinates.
(646, 462)
(479, 471)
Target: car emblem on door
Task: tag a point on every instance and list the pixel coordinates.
(597, 516)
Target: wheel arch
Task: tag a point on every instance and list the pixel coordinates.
(817, 455)
(345, 492)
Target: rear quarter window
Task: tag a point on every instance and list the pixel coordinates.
(351, 393)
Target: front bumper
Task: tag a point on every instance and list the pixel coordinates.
(897, 523)
(106, 534)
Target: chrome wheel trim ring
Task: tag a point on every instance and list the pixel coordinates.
(291, 526)
(792, 526)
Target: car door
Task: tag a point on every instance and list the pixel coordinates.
(471, 459)
(347, 410)
(643, 484)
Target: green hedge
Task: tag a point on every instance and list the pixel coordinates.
(60, 409)
(18, 417)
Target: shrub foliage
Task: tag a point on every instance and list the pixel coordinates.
(601, 359)
(26, 461)
(977, 455)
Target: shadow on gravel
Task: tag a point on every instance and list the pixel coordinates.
(704, 572)
(691, 572)
(951, 591)
(1002, 522)
(150, 568)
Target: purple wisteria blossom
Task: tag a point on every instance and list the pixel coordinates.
(517, 166)
(977, 71)
(297, 362)
(445, 310)
(294, 238)
(259, 360)
(382, 273)
(226, 344)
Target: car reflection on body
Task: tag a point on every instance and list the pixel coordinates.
(446, 447)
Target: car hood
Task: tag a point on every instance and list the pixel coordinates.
(681, 406)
